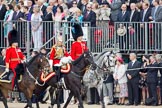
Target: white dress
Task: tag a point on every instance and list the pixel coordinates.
(37, 34)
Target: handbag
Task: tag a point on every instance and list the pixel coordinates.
(117, 87)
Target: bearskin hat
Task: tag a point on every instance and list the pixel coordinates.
(12, 37)
(76, 31)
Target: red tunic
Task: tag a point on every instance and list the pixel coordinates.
(56, 60)
(77, 49)
(14, 57)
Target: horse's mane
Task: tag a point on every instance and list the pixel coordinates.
(100, 58)
(78, 59)
(32, 59)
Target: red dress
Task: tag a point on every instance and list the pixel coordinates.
(57, 53)
(77, 49)
(13, 58)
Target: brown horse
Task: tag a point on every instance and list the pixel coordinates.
(27, 83)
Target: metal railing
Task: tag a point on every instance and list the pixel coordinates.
(144, 37)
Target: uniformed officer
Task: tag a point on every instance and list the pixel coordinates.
(78, 46)
(14, 56)
(57, 52)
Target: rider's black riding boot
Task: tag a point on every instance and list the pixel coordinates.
(16, 87)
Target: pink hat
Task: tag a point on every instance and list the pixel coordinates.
(119, 59)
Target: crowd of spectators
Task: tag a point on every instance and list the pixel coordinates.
(109, 11)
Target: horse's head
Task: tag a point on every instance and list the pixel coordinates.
(109, 61)
(40, 62)
(89, 60)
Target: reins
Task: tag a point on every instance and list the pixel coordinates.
(36, 81)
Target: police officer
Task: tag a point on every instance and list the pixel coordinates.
(14, 56)
(78, 46)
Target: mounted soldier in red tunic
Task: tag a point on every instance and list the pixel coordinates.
(14, 56)
(58, 51)
(78, 46)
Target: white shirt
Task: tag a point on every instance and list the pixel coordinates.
(133, 62)
(132, 12)
(0, 7)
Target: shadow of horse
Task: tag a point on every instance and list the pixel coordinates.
(27, 84)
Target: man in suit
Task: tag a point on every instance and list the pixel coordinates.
(152, 79)
(145, 13)
(159, 61)
(30, 6)
(2, 14)
(115, 6)
(144, 17)
(156, 16)
(17, 13)
(48, 26)
(2, 10)
(82, 4)
(133, 80)
(42, 7)
(123, 16)
(134, 17)
(90, 16)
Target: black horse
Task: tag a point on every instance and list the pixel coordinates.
(72, 79)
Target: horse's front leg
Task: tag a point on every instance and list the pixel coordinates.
(78, 95)
(68, 100)
(51, 92)
(37, 102)
(4, 96)
(57, 98)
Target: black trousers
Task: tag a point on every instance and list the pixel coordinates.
(133, 92)
(152, 89)
(161, 89)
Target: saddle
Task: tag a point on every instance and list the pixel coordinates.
(7, 77)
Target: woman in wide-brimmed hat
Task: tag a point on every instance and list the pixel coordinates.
(120, 76)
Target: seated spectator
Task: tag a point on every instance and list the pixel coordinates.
(120, 76)
(104, 12)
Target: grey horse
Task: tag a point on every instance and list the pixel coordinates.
(94, 78)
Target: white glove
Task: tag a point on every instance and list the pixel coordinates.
(51, 64)
(6, 70)
(23, 61)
